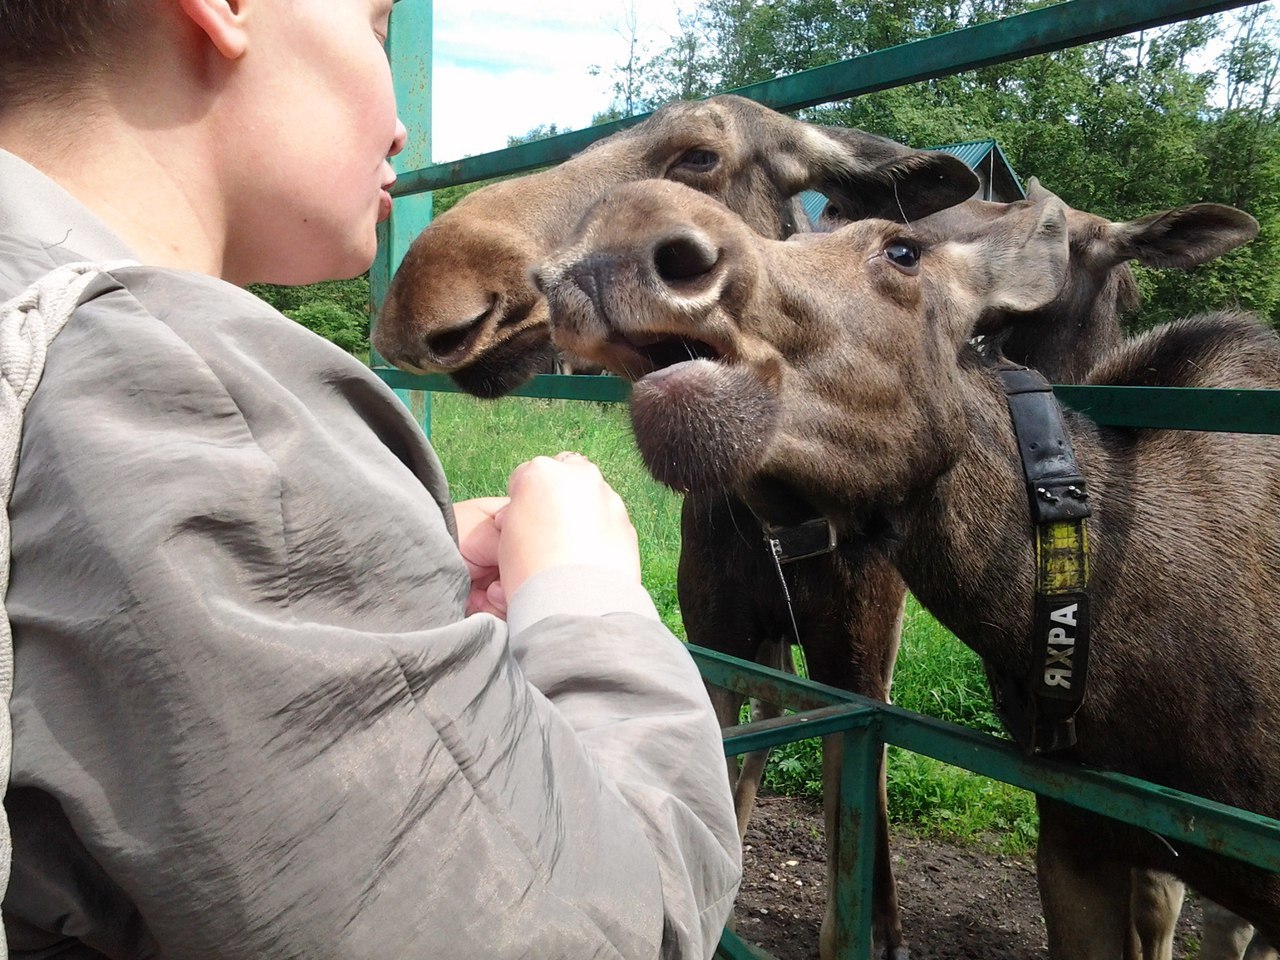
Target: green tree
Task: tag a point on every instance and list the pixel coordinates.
(337, 310)
(334, 323)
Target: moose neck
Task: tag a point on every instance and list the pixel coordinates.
(966, 547)
(1066, 339)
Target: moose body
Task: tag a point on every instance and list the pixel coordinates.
(839, 371)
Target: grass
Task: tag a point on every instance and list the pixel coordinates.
(480, 442)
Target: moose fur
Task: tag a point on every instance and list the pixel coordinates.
(840, 370)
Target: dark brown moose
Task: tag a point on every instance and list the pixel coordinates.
(1063, 339)
(839, 370)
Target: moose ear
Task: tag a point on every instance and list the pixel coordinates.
(904, 189)
(869, 176)
(1185, 237)
(1037, 193)
(1017, 264)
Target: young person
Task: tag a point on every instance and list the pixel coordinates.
(251, 716)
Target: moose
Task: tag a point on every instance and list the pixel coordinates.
(462, 302)
(840, 371)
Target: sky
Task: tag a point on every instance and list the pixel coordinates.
(503, 67)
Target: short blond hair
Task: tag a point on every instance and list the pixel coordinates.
(48, 47)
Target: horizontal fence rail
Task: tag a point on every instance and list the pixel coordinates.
(548, 386)
(824, 710)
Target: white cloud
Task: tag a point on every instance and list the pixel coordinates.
(503, 67)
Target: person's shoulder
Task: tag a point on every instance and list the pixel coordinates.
(183, 293)
(218, 319)
(24, 260)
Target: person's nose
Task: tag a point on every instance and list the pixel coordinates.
(399, 140)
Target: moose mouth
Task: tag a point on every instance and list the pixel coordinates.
(635, 355)
(701, 421)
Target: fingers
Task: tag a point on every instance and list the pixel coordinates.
(478, 537)
(560, 511)
(491, 599)
(563, 512)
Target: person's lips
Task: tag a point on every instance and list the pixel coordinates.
(384, 205)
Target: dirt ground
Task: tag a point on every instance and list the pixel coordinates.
(958, 902)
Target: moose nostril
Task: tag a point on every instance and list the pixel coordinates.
(444, 345)
(683, 258)
(448, 347)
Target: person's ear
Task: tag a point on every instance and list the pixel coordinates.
(222, 21)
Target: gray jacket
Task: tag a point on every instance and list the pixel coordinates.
(250, 718)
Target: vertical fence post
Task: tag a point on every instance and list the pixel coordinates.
(857, 753)
(409, 48)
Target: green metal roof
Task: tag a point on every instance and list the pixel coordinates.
(972, 152)
(976, 152)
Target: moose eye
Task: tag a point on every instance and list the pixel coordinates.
(903, 254)
(698, 161)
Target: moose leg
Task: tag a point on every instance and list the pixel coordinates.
(745, 777)
(1259, 949)
(1228, 937)
(775, 654)
(1085, 900)
(728, 705)
(886, 916)
(1155, 900)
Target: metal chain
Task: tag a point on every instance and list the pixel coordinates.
(775, 548)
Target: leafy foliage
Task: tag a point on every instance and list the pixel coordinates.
(337, 310)
(334, 323)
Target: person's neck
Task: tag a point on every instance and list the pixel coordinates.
(129, 176)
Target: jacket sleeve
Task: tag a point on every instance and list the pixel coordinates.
(250, 719)
(638, 706)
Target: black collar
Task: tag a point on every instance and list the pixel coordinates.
(1059, 503)
(799, 541)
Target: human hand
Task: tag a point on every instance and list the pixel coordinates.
(478, 543)
(562, 512)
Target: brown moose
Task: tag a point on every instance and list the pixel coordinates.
(839, 370)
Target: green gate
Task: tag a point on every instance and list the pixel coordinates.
(822, 711)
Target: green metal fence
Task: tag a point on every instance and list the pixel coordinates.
(866, 725)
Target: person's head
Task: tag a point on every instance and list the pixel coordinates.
(272, 118)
